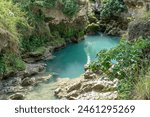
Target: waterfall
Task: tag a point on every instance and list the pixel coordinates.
(87, 51)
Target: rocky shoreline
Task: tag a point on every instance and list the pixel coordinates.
(90, 86)
(85, 89)
(18, 86)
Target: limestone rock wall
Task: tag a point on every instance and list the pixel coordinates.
(137, 8)
(7, 41)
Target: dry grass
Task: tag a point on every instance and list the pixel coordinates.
(142, 88)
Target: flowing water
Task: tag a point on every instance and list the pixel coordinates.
(69, 62)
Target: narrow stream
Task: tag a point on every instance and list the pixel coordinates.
(69, 62)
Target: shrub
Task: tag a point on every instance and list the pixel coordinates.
(32, 43)
(146, 16)
(70, 7)
(93, 27)
(10, 15)
(130, 59)
(112, 8)
(10, 62)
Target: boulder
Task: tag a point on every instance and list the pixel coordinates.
(17, 96)
(57, 91)
(13, 81)
(33, 69)
(72, 94)
(89, 75)
(138, 28)
(41, 53)
(10, 89)
(74, 86)
(100, 88)
(28, 81)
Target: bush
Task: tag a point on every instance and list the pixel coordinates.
(46, 3)
(112, 8)
(10, 15)
(93, 27)
(146, 16)
(32, 43)
(10, 63)
(129, 57)
(70, 7)
(127, 62)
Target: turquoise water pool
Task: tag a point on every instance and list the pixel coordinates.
(69, 62)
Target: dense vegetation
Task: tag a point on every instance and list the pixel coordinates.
(10, 16)
(112, 8)
(26, 22)
(57, 34)
(128, 62)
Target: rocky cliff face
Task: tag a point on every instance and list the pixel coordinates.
(137, 8)
(138, 28)
(7, 41)
(140, 25)
(57, 16)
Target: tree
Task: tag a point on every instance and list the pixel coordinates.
(112, 8)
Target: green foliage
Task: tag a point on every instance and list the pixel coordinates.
(32, 43)
(130, 58)
(131, 61)
(10, 15)
(92, 18)
(67, 31)
(45, 3)
(39, 51)
(10, 62)
(125, 89)
(112, 8)
(92, 27)
(37, 19)
(57, 40)
(146, 16)
(70, 7)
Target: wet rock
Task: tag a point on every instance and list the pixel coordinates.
(41, 78)
(41, 53)
(28, 81)
(17, 96)
(33, 69)
(10, 89)
(13, 81)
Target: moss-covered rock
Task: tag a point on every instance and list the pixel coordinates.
(92, 28)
